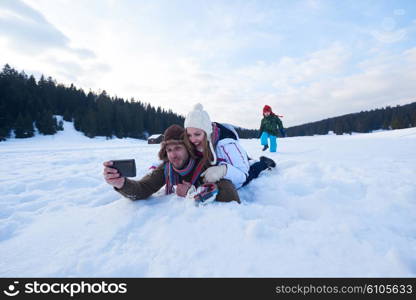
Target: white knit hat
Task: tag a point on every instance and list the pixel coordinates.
(199, 118)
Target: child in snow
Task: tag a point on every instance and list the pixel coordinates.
(268, 129)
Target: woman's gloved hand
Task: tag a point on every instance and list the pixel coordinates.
(215, 173)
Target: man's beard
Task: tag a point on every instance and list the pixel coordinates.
(182, 165)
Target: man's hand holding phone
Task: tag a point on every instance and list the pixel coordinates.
(112, 176)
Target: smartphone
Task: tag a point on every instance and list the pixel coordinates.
(126, 167)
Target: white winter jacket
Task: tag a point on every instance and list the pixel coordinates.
(232, 154)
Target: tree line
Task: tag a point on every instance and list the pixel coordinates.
(27, 105)
(387, 118)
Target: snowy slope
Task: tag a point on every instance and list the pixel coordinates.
(335, 206)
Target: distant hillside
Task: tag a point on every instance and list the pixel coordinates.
(27, 105)
(397, 117)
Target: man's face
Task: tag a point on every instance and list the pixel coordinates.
(177, 155)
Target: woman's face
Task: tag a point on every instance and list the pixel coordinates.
(267, 113)
(196, 136)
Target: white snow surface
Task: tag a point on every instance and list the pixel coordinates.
(336, 206)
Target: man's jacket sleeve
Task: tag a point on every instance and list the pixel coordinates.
(145, 187)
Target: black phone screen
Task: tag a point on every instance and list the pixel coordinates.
(126, 167)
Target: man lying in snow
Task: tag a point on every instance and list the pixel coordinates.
(178, 169)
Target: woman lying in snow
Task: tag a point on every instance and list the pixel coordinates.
(229, 160)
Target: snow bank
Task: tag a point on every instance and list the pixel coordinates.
(335, 206)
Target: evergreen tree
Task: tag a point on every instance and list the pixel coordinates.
(413, 118)
(104, 115)
(60, 125)
(46, 123)
(23, 127)
(89, 124)
(4, 133)
(67, 116)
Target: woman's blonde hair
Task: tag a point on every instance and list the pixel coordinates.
(207, 156)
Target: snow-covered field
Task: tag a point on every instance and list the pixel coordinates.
(336, 206)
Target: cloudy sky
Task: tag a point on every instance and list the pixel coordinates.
(308, 59)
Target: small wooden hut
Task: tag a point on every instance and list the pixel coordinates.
(155, 139)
